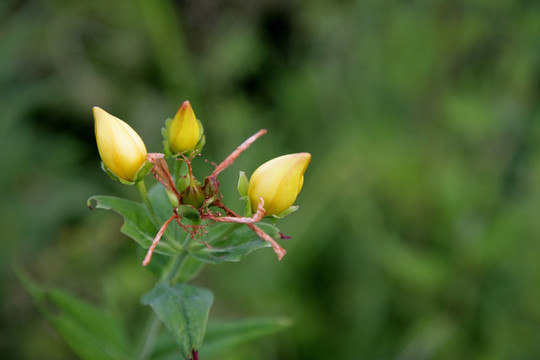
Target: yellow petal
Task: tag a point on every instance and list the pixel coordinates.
(278, 182)
(184, 133)
(121, 149)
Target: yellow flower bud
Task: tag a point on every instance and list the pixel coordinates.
(185, 132)
(278, 182)
(120, 147)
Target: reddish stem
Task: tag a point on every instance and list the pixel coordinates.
(161, 172)
(258, 216)
(230, 159)
(148, 256)
(280, 252)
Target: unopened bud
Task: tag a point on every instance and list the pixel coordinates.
(278, 182)
(121, 149)
(193, 195)
(185, 131)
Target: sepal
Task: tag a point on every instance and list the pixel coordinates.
(190, 213)
(243, 184)
(144, 170)
(202, 139)
(165, 133)
(289, 211)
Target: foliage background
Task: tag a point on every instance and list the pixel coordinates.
(418, 235)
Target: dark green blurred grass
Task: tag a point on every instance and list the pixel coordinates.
(418, 235)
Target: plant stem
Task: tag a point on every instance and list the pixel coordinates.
(178, 261)
(142, 190)
(153, 325)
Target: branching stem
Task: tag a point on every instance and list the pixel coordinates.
(234, 155)
(148, 256)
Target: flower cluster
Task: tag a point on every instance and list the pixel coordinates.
(271, 190)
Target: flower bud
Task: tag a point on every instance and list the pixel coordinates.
(193, 195)
(185, 131)
(278, 182)
(121, 149)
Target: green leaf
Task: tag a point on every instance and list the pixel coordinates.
(164, 210)
(226, 335)
(230, 242)
(223, 336)
(160, 202)
(189, 269)
(190, 213)
(184, 310)
(91, 333)
(137, 221)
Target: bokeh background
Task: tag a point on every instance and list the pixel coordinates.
(418, 235)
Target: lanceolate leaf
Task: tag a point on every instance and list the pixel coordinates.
(226, 335)
(92, 333)
(160, 202)
(223, 337)
(137, 221)
(230, 242)
(184, 310)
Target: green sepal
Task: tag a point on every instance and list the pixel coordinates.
(165, 133)
(282, 214)
(202, 139)
(248, 212)
(242, 187)
(144, 170)
(243, 184)
(190, 213)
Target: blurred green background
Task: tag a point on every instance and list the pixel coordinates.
(418, 235)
